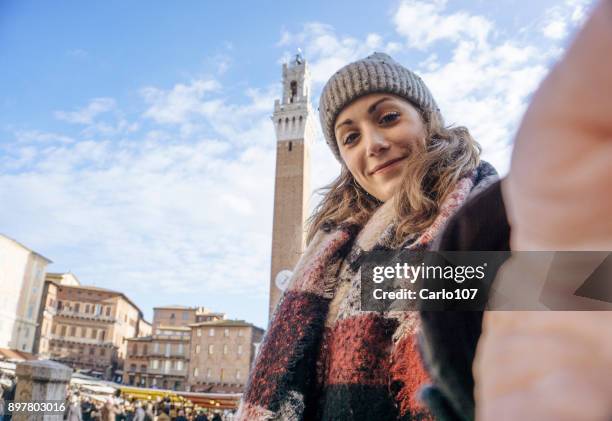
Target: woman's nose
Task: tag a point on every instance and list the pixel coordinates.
(376, 142)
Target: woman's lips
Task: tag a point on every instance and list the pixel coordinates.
(387, 166)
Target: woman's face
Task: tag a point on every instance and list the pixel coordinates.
(375, 135)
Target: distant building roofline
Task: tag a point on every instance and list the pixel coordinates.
(174, 307)
(225, 322)
(178, 328)
(98, 289)
(61, 275)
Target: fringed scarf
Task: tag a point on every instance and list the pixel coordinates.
(322, 357)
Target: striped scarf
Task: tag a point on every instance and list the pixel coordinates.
(322, 357)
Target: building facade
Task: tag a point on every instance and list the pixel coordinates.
(294, 134)
(22, 277)
(86, 327)
(192, 349)
(222, 352)
(161, 360)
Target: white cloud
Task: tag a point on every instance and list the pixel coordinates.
(556, 29)
(559, 19)
(326, 51)
(37, 136)
(87, 114)
(285, 39)
(430, 63)
(423, 23)
(180, 103)
(393, 47)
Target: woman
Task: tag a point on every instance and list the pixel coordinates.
(403, 176)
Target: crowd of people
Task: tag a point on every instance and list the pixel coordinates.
(83, 407)
(119, 408)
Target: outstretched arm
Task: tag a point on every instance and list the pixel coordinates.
(556, 365)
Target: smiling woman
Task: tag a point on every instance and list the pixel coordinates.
(404, 174)
(392, 141)
(376, 134)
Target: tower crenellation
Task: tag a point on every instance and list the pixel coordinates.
(293, 114)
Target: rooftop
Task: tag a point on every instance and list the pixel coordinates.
(97, 289)
(174, 307)
(177, 328)
(242, 323)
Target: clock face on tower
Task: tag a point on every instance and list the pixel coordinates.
(282, 279)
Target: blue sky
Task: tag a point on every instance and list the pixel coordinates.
(136, 148)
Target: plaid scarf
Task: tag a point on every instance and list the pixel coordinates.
(324, 358)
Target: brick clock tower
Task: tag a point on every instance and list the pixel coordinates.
(294, 134)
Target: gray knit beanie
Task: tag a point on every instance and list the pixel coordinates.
(376, 73)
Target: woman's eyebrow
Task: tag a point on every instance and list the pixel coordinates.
(372, 107)
(347, 121)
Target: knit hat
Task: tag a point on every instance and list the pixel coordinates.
(376, 73)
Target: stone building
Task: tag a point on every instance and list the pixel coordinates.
(86, 327)
(161, 360)
(222, 352)
(22, 277)
(293, 121)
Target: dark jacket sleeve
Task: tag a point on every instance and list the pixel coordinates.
(449, 338)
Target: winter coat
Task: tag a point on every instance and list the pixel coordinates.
(449, 338)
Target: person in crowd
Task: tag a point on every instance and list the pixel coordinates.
(173, 410)
(139, 412)
(73, 409)
(110, 407)
(9, 395)
(163, 415)
(86, 408)
(180, 415)
(96, 413)
(120, 414)
(403, 175)
(201, 416)
(149, 412)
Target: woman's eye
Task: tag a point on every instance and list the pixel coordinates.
(389, 117)
(350, 138)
